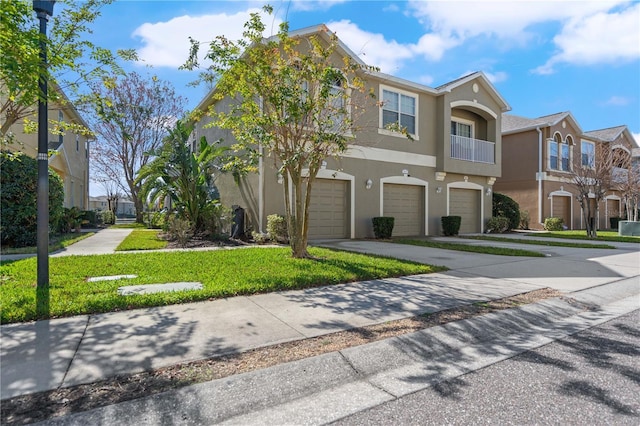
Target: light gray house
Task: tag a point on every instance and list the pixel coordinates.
(449, 167)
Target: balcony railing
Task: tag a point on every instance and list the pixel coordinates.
(620, 175)
(475, 150)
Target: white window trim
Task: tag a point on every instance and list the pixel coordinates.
(381, 129)
(549, 143)
(470, 123)
(593, 145)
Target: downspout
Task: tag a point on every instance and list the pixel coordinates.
(539, 174)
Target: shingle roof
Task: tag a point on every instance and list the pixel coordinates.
(455, 81)
(607, 135)
(514, 123)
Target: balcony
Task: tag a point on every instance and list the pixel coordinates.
(475, 150)
(620, 175)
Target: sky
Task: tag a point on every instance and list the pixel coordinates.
(543, 57)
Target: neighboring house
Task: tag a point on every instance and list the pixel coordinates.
(69, 153)
(126, 207)
(448, 169)
(542, 154)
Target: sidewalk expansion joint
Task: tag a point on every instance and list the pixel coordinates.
(75, 352)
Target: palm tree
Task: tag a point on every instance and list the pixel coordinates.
(186, 177)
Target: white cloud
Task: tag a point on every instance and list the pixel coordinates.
(427, 80)
(167, 43)
(372, 48)
(505, 19)
(592, 31)
(618, 101)
(496, 77)
(600, 38)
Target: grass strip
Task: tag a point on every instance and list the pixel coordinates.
(56, 242)
(133, 225)
(223, 273)
(539, 242)
(582, 235)
(500, 251)
(142, 239)
(47, 405)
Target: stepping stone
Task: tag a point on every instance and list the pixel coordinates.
(111, 278)
(158, 288)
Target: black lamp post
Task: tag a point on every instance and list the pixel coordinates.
(44, 10)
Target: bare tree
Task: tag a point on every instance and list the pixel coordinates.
(594, 175)
(132, 115)
(628, 184)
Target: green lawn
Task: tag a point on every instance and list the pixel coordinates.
(500, 251)
(582, 235)
(56, 242)
(539, 242)
(223, 273)
(142, 239)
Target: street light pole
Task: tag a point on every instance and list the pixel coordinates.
(44, 10)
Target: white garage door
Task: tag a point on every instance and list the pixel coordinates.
(406, 204)
(328, 211)
(466, 204)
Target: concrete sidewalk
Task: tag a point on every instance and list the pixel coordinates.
(326, 388)
(64, 352)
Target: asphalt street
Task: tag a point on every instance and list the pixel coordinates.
(590, 378)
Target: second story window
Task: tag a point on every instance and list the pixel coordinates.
(399, 108)
(560, 153)
(588, 153)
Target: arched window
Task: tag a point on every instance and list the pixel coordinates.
(560, 153)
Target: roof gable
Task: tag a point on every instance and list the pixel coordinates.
(515, 124)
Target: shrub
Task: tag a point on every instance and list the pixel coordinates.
(89, 217)
(277, 228)
(216, 219)
(180, 230)
(505, 206)
(18, 199)
(498, 224)
(553, 224)
(524, 219)
(451, 225)
(70, 221)
(383, 227)
(108, 218)
(260, 237)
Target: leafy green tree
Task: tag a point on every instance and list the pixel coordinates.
(19, 182)
(73, 59)
(187, 177)
(505, 206)
(295, 101)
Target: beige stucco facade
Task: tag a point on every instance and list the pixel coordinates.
(69, 155)
(383, 173)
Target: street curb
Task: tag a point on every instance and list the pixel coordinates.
(328, 387)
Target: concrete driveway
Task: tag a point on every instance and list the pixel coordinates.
(564, 269)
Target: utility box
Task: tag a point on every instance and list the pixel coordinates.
(628, 228)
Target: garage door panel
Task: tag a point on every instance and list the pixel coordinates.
(466, 204)
(562, 209)
(328, 209)
(405, 203)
